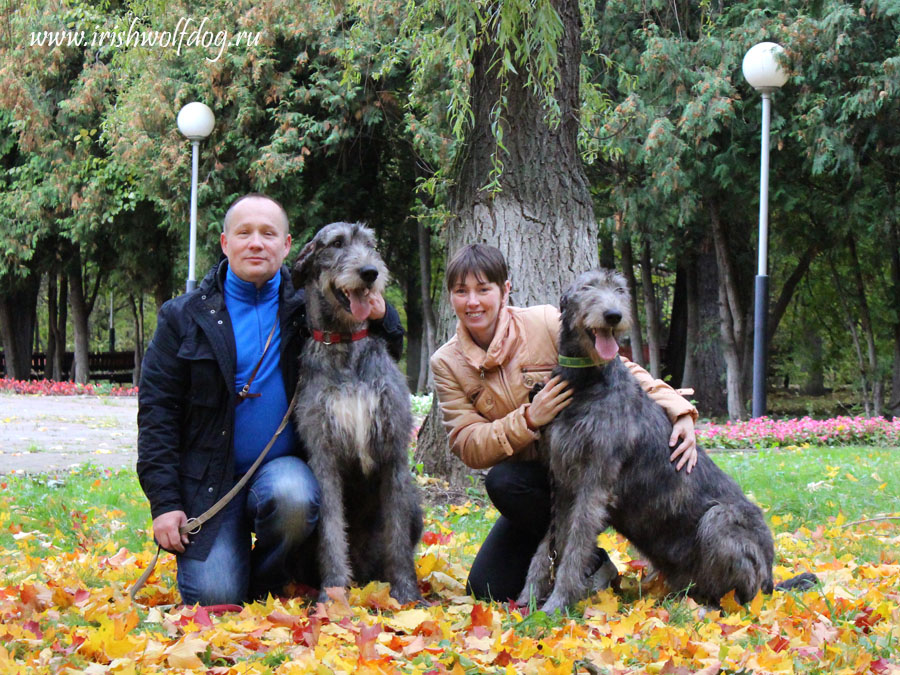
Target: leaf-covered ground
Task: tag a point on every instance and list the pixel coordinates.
(70, 548)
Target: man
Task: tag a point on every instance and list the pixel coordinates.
(200, 427)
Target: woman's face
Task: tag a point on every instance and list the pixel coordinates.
(477, 305)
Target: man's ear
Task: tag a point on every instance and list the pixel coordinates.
(303, 266)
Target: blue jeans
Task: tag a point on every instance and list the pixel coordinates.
(280, 504)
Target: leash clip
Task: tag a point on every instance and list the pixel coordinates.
(551, 557)
(194, 528)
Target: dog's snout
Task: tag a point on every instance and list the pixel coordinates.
(368, 273)
(612, 318)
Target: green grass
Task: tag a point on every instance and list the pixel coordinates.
(815, 484)
(74, 510)
(805, 486)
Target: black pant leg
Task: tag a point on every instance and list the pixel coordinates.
(521, 492)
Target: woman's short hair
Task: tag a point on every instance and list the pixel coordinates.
(485, 262)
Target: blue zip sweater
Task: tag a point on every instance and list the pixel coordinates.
(253, 312)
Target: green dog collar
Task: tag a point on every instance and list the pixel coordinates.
(575, 361)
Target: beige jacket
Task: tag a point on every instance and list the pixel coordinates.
(483, 395)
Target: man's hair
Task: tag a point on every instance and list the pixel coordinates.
(255, 195)
(485, 262)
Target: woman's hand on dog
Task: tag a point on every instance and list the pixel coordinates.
(686, 451)
(548, 402)
(165, 530)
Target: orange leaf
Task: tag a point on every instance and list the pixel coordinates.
(482, 616)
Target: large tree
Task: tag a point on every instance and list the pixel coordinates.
(518, 181)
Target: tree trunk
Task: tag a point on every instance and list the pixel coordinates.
(650, 308)
(706, 378)
(731, 320)
(415, 330)
(82, 303)
(430, 345)
(673, 365)
(607, 250)
(894, 244)
(137, 315)
(787, 290)
(18, 312)
(815, 368)
(692, 337)
(62, 329)
(850, 321)
(50, 364)
(637, 342)
(540, 212)
(865, 320)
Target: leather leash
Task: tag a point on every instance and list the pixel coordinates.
(193, 525)
(244, 393)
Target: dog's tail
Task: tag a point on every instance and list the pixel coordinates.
(736, 552)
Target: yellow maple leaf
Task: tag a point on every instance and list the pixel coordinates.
(729, 604)
(756, 604)
(183, 654)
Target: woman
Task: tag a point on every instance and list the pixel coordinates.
(483, 377)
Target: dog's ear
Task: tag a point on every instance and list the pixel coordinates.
(302, 267)
(564, 300)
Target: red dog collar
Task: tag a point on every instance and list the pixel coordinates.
(334, 338)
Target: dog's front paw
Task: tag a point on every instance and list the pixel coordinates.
(552, 605)
(526, 597)
(405, 593)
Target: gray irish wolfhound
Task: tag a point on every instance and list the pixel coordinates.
(609, 463)
(353, 413)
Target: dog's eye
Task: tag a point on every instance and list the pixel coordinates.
(622, 290)
(337, 243)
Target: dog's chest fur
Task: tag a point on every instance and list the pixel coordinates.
(342, 402)
(601, 421)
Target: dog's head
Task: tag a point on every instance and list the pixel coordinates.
(342, 265)
(596, 310)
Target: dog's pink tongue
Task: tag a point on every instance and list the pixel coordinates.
(359, 305)
(606, 345)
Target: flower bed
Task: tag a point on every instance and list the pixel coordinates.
(765, 432)
(51, 388)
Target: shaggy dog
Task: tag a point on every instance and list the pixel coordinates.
(609, 464)
(353, 413)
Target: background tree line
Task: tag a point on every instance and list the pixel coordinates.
(567, 133)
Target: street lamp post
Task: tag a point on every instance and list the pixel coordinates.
(195, 122)
(764, 73)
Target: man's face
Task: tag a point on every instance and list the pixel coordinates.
(256, 240)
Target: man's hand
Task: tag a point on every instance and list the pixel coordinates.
(165, 530)
(683, 429)
(376, 300)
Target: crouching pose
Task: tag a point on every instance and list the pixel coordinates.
(483, 377)
(216, 382)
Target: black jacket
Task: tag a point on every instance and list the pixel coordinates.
(186, 398)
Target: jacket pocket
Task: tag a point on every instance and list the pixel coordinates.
(532, 375)
(205, 377)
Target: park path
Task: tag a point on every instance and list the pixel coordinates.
(56, 433)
